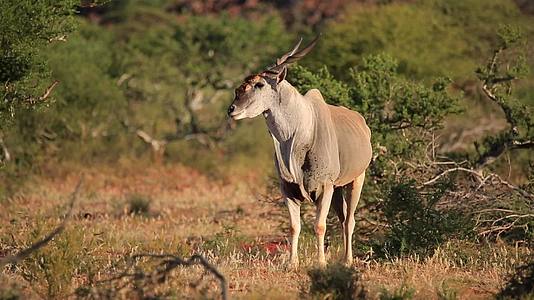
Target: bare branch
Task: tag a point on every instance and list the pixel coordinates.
(48, 90)
(519, 190)
(6, 154)
(61, 38)
(161, 272)
(523, 144)
(489, 93)
(478, 174)
(43, 242)
(156, 144)
(509, 144)
(123, 78)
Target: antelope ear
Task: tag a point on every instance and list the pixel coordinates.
(282, 75)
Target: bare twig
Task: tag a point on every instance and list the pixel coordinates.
(48, 90)
(60, 38)
(43, 242)
(519, 190)
(5, 151)
(474, 172)
(123, 78)
(157, 145)
(523, 144)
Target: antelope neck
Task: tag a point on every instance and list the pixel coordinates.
(292, 113)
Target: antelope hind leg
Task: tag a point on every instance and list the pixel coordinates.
(354, 190)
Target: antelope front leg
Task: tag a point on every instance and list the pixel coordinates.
(294, 217)
(323, 206)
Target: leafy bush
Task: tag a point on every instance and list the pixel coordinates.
(405, 116)
(336, 281)
(138, 205)
(27, 28)
(416, 225)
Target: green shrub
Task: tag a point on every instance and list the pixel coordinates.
(28, 27)
(416, 226)
(450, 45)
(336, 281)
(138, 204)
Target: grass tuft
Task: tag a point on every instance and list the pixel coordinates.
(138, 204)
(403, 292)
(336, 281)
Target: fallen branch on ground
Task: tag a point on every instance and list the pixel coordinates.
(140, 280)
(12, 259)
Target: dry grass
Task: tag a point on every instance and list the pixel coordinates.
(186, 213)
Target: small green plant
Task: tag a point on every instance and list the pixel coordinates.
(403, 292)
(416, 225)
(138, 205)
(336, 281)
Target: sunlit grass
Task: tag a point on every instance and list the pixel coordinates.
(226, 223)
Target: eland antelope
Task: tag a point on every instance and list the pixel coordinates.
(321, 150)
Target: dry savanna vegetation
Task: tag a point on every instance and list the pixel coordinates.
(121, 176)
(176, 210)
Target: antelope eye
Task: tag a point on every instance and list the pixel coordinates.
(258, 85)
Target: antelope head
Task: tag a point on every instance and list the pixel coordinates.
(259, 91)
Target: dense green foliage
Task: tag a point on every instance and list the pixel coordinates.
(141, 75)
(429, 37)
(27, 28)
(417, 226)
(405, 116)
(142, 70)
